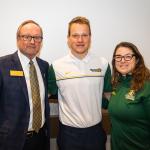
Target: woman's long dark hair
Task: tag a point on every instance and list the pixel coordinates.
(140, 73)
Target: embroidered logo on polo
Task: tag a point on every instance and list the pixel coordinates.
(130, 95)
(96, 70)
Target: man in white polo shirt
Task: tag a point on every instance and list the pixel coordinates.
(82, 78)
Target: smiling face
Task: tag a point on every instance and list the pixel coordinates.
(29, 48)
(79, 40)
(127, 61)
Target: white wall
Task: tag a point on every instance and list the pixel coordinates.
(112, 21)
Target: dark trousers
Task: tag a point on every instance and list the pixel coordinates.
(35, 141)
(91, 138)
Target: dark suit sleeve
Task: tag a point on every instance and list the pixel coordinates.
(52, 86)
(0, 80)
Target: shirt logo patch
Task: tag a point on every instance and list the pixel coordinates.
(96, 70)
(130, 95)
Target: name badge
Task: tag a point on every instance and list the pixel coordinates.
(16, 73)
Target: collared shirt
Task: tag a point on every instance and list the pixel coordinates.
(80, 87)
(25, 65)
(130, 116)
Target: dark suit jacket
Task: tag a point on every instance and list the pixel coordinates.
(14, 103)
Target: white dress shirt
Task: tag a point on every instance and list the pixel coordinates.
(25, 65)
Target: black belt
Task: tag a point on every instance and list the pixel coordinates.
(31, 134)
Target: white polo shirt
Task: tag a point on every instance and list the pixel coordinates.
(80, 87)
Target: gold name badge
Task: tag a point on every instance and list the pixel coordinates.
(16, 73)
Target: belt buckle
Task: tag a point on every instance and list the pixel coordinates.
(30, 134)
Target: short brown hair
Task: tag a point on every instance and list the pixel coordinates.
(80, 20)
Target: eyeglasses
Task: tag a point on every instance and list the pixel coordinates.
(77, 36)
(127, 57)
(29, 38)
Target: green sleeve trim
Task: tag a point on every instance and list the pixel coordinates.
(107, 80)
(52, 86)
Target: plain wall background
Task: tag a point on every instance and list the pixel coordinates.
(112, 21)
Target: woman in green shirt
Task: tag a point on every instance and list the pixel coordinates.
(129, 105)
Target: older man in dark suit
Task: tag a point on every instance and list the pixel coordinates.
(24, 107)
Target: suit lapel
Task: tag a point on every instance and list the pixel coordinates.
(17, 66)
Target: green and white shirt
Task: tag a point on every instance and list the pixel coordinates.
(81, 84)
